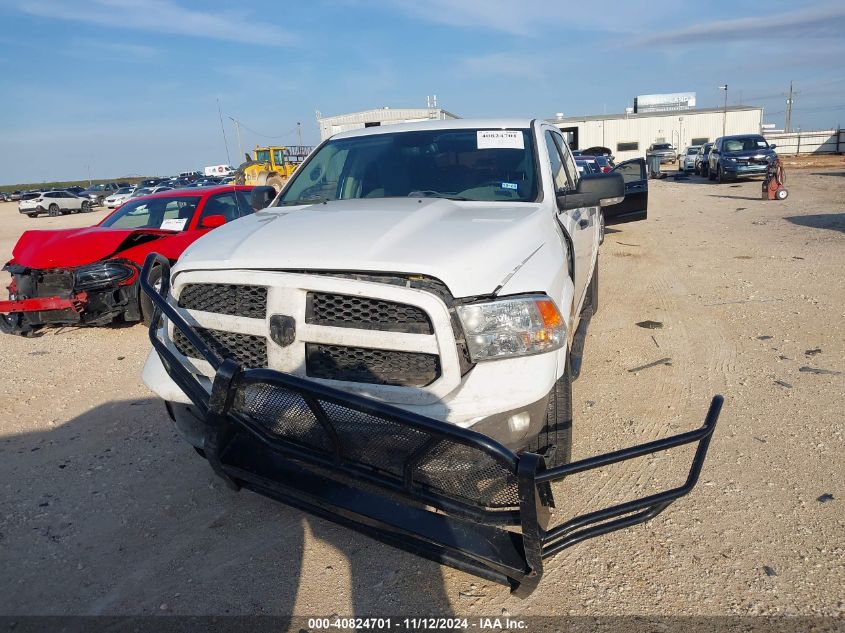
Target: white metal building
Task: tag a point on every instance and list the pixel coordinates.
(383, 116)
(628, 135)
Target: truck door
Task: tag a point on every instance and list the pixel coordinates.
(635, 205)
(582, 224)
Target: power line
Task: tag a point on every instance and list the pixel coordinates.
(246, 127)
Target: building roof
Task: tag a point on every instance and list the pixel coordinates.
(642, 115)
(377, 111)
(440, 124)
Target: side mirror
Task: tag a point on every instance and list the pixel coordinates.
(594, 190)
(213, 221)
(772, 146)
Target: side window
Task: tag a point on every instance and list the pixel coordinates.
(231, 205)
(278, 156)
(631, 172)
(568, 162)
(558, 172)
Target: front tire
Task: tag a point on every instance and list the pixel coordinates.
(86, 207)
(275, 181)
(719, 177)
(710, 175)
(557, 430)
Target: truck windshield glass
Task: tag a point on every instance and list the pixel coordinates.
(263, 156)
(173, 214)
(464, 164)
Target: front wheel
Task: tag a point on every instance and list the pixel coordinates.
(710, 174)
(719, 177)
(86, 207)
(275, 181)
(557, 430)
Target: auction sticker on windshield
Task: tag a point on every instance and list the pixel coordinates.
(500, 139)
(173, 224)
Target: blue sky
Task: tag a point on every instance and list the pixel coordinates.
(131, 86)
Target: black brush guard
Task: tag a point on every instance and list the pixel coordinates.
(422, 485)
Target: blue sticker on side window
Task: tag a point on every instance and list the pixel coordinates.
(510, 185)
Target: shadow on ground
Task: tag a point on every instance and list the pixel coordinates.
(829, 173)
(113, 513)
(831, 221)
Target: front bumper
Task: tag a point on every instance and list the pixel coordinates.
(35, 305)
(432, 488)
(740, 169)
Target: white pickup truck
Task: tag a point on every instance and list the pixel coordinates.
(414, 291)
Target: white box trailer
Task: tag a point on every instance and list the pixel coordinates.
(219, 170)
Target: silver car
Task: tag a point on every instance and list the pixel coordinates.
(686, 161)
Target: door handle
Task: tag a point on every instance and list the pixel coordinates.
(584, 224)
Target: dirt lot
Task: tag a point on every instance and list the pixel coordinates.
(104, 510)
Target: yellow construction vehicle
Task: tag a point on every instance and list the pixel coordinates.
(271, 165)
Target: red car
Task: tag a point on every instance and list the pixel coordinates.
(89, 276)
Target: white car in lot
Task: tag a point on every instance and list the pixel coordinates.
(119, 197)
(146, 191)
(686, 161)
(53, 203)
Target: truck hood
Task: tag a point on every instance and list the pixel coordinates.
(470, 246)
(69, 248)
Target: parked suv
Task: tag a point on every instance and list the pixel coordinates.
(98, 193)
(740, 155)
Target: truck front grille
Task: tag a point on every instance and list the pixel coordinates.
(235, 300)
(371, 366)
(247, 349)
(365, 313)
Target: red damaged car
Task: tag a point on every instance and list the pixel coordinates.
(89, 276)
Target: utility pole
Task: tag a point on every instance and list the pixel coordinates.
(789, 100)
(725, 111)
(299, 132)
(223, 129)
(238, 132)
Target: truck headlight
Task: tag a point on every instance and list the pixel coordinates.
(101, 274)
(517, 326)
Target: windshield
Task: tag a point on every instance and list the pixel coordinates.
(170, 213)
(662, 146)
(745, 144)
(463, 164)
(262, 156)
(693, 150)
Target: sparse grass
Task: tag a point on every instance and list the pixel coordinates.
(68, 183)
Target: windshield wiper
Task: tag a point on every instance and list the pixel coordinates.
(436, 194)
(291, 203)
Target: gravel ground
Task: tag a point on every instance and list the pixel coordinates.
(104, 510)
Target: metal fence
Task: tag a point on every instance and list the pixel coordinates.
(808, 142)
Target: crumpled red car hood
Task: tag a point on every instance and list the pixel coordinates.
(69, 248)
